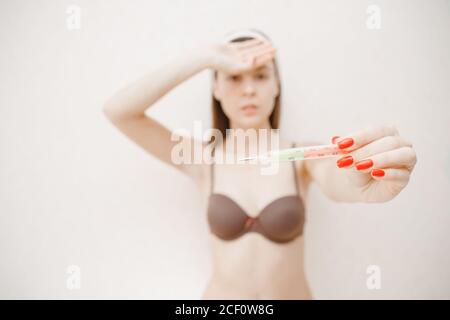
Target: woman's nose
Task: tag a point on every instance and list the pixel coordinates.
(249, 87)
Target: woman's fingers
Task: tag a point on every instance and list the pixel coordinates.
(391, 174)
(363, 137)
(264, 58)
(251, 54)
(256, 50)
(257, 54)
(384, 144)
(262, 52)
(259, 58)
(404, 157)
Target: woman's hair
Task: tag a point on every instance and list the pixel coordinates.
(220, 121)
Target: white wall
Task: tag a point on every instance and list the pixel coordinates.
(74, 190)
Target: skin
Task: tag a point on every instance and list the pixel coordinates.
(243, 267)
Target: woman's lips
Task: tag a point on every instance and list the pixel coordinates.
(249, 109)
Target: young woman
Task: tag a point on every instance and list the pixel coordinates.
(257, 221)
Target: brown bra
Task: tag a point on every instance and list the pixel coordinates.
(280, 221)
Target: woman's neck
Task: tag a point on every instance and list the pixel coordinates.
(251, 141)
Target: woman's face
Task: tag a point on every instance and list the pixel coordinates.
(248, 98)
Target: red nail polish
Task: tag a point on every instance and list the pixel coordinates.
(365, 164)
(345, 143)
(333, 140)
(378, 173)
(345, 161)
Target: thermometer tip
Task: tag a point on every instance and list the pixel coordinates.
(247, 158)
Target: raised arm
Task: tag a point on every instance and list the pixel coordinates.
(126, 109)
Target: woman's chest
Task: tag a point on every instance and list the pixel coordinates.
(252, 188)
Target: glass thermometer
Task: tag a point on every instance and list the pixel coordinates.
(299, 153)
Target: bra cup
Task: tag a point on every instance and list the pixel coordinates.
(283, 219)
(280, 221)
(226, 219)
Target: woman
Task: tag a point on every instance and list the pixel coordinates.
(256, 220)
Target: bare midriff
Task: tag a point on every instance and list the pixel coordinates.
(253, 267)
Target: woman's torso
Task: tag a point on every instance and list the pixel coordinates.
(252, 266)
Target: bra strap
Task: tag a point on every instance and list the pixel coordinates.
(295, 173)
(212, 171)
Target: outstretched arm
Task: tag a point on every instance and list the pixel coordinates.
(376, 167)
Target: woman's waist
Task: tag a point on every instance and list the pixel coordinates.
(288, 286)
(251, 267)
(253, 255)
(253, 270)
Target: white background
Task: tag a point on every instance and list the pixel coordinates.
(75, 191)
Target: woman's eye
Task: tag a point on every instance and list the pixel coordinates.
(234, 78)
(261, 76)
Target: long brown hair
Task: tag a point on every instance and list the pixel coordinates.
(221, 122)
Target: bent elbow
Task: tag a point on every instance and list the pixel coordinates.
(113, 113)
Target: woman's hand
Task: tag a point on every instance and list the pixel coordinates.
(379, 162)
(238, 57)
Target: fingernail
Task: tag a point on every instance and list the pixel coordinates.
(333, 140)
(365, 164)
(345, 143)
(345, 161)
(378, 173)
